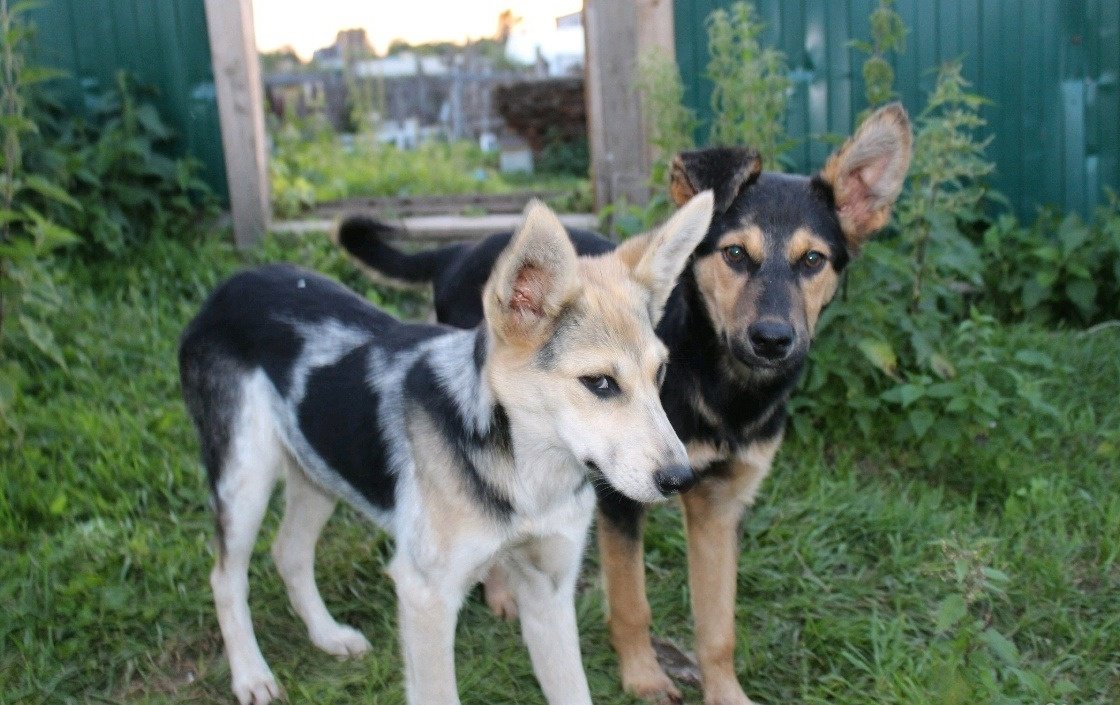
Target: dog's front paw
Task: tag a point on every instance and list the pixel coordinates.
(643, 678)
(341, 641)
(257, 687)
(726, 693)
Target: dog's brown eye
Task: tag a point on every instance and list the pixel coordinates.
(734, 254)
(602, 386)
(813, 260)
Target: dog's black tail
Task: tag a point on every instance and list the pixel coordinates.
(364, 238)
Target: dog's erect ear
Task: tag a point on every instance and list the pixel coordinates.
(669, 249)
(867, 172)
(723, 170)
(535, 276)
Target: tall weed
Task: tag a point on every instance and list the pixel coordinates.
(1060, 269)
(888, 37)
(750, 84)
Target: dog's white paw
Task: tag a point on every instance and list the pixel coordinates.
(341, 641)
(257, 687)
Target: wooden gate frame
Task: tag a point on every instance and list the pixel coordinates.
(237, 81)
(617, 33)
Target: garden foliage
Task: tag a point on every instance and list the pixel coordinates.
(97, 186)
(749, 85)
(912, 352)
(311, 164)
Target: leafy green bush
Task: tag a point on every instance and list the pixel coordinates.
(748, 99)
(123, 187)
(564, 157)
(1058, 269)
(100, 184)
(906, 356)
(888, 36)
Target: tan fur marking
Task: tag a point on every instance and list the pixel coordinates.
(628, 613)
(441, 484)
(751, 238)
(712, 512)
(680, 188)
(818, 289)
(722, 289)
(632, 249)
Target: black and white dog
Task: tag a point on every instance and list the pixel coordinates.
(473, 448)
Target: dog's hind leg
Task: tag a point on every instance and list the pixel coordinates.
(543, 577)
(243, 488)
(306, 511)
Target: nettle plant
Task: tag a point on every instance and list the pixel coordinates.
(907, 336)
(750, 85)
(1060, 269)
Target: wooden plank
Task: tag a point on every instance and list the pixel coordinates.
(237, 80)
(436, 205)
(440, 229)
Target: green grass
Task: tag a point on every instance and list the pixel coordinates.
(853, 554)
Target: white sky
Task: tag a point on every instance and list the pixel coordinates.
(307, 26)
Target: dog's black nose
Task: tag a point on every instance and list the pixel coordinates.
(675, 479)
(770, 338)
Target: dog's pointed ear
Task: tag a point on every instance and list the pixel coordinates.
(723, 170)
(867, 172)
(534, 278)
(669, 249)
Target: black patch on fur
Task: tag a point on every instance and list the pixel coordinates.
(250, 322)
(462, 275)
(725, 170)
(567, 319)
(422, 387)
(338, 417)
(499, 430)
(621, 514)
(479, 353)
(211, 384)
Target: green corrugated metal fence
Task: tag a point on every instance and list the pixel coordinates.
(1050, 67)
(163, 43)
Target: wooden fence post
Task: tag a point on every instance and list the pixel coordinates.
(237, 80)
(617, 33)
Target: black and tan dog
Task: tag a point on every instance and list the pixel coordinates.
(738, 327)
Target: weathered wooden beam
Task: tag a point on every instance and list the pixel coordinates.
(617, 33)
(401, 206)
(439, 228)
(237, 81)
